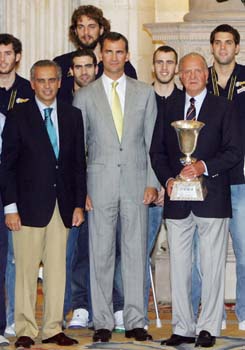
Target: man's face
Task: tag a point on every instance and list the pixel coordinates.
(114, 56)
(46, 84)
(8, 59)
(224, 48)
(83, 70)
(164, 67)
(88, 32)
(193, 75)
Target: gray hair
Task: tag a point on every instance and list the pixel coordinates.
(45, 63)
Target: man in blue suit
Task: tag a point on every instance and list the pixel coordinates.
(44, 187)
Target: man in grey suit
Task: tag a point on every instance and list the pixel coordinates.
(119, 123)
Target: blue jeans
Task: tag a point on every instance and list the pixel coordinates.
(154, 224)
(3, 261)
(10, 280)
(70, 249)
(118, 295)
(80, 282)
(237, 230)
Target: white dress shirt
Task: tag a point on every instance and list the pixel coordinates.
(121, 88)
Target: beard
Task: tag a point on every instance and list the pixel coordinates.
(90, 46)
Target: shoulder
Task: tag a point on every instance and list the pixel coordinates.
(138, 84)
(64, 58)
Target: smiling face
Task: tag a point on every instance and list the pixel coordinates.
(88, 32)
(224, 48)
(164, 66)
(46, 84)
(114, 56)
(8, 59)
(193, 74)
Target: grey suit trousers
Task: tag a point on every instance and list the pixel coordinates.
(213, 234)
(102, 242)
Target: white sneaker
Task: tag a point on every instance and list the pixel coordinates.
(223, 325)
(10, 330)
(79, 319)
(146, 327)
(241, 326)
(3, 341)
(118, 320)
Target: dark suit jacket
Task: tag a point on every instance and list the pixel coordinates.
(218, 146)
(31, 176)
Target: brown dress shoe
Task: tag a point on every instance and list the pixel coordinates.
(24, 342)
(60, 339)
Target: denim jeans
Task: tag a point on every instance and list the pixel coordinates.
(3, 261)
(10, 280)
(154, 224)
(70, 249)
(237, 230)
(118, 296)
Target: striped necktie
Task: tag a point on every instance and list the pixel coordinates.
(51, 130)
(116, 110)
(191, 112)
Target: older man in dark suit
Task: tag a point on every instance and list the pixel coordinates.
(217, 151)
(44, 189)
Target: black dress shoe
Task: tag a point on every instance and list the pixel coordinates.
(205, 339)
(60, 339)
(176, 339)
(103, 335)
(24, 342)
(139, 334)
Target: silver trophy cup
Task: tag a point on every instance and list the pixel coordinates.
(185, 189)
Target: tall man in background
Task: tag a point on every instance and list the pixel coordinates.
(227, 79)
(87, 29)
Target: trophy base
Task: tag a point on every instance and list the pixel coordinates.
(192, 190)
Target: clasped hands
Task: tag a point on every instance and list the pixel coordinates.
(189, 172)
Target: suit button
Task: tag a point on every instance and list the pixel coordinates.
(121, 149)
(57, 167)
(118, 165)
(54, 185)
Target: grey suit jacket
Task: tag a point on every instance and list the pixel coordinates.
(114, 166)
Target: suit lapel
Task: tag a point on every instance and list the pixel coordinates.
(205, 109)
(102, 103)
(130, 98)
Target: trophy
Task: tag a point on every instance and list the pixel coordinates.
(188, 189)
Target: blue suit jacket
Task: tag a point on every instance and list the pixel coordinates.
(31, 176)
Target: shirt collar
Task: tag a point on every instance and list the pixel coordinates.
(198, 98)
(42, 106)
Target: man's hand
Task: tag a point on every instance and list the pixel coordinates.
(150, 195)
(88, 205)
(160, 198)
(13, 221)
(170, 186)
(194, 170)
(77, 217)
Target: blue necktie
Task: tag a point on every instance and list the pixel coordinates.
(51, 130)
